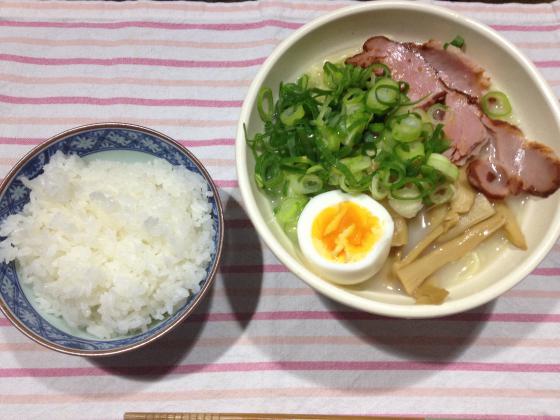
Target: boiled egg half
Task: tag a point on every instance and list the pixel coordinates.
(345, 238)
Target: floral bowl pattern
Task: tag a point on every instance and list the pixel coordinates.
(85, 141)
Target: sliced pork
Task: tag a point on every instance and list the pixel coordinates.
(405, 62)
(462, 120)
(510, 164)
(500, 160)
(462, 124)
(455, 69)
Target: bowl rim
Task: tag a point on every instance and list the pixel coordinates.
(211, 274)
(330, 290)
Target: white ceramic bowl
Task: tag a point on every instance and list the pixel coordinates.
(533, 102)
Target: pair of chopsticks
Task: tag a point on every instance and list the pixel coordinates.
(251, 416)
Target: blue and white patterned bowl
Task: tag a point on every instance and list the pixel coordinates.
(123, 142)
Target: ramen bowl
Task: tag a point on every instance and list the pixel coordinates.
(342, 33)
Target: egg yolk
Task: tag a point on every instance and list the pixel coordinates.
(345, 232)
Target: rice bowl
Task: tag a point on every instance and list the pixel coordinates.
(164, 295)
(111, 258)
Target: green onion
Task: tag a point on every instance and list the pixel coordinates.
(442, 194)
(443, 165)
(292, 114)
(409, 151)
(378, 191)
(380, 69)
(290, 208)
(357, 132)
(357, 163)
(268, 174)
(290, 228)
(407, 128)
(310, 184)
(436, 113)
(265, 99)
(299, 163)
(387, 95)
(409, 202)
(288, 211)
(315, 169)
(407, 209)
(436, 142)
(384, 94)
(458, 42)
(495, 104)
(408, 188)
(377, 127)
(420, 113)
(391, 172)
(404, 87)
(427, 130)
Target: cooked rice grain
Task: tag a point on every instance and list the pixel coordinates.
(108, 246)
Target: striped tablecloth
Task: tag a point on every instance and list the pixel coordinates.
(263, 341)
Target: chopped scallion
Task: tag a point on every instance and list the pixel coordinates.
(443, 165)
(496, 104)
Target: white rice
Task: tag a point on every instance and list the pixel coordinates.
(108, 246)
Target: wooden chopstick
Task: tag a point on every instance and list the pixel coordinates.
(251, 416)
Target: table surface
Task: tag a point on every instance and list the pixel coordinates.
(263, 341)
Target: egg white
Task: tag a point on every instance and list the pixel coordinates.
(350, 272)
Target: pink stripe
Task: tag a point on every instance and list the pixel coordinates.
(69, 122)
(266, 291)
(20, 347)
(66, 80)
(307, 291)
(210, 142)
(223, 45)
(502, 8)
(221, 26)
(537, 45)
(265, 394)
(88, 100)
(363, 316)
(359, 316)
(189, 7)
(243, 7)
(222, 163)
(362, 340)
(186, 143)
(539, 271)
(164, 62)
(526, 28)
(365, 340)
(226, 183)
(546, 271)
(283, 366)
(155, 25)
(21, 140)
(130, 61)
(547, 64)
(8, 161)
(533, 294)
(246, 269)
(238, 224)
